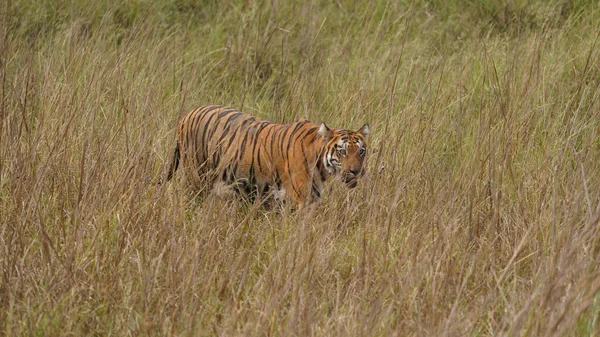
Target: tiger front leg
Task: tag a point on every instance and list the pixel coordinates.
(297, 188)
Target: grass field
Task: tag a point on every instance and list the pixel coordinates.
(478, 215)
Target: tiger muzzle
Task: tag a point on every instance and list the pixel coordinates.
(350, 178)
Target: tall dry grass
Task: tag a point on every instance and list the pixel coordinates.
(478, 216)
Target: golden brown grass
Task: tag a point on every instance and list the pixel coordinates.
(478, 215)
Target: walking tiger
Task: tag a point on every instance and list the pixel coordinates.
(261, 159)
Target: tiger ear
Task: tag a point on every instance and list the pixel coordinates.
(325, 131)
(364, 130)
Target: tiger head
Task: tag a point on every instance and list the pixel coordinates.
(345, 152)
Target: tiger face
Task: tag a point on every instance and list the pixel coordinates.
(345, 153)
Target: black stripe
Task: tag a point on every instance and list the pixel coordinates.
(300, 136)
(204, 145)
(322, 172)
(267, 138)
(256, 136)
(223, 135)
(217, 151)
(306, 165)
(310, 132)
(216, 158)
(317, 136)
(228, 126)
(241, 127)
(300, 139)
(242, 148)
(292, 181)
(259, 163)
(225, 112)
(284, 137)
(291, 137)
(230, 141)
(208, 108)
(218, 122)
(188, 131)
(278, 129)
(230, 119)
(193, 133)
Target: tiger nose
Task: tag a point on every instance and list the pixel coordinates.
(355, 172)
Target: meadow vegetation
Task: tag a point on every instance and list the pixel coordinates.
(478, 215)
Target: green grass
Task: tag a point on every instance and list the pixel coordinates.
(478, 214)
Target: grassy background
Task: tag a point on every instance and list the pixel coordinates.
(478, 215)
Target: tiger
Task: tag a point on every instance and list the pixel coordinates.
(261, 159)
